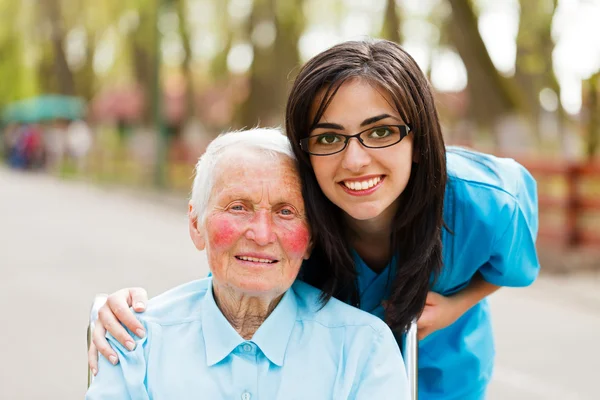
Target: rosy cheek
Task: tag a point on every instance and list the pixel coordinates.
(295, 241)
(223, 231)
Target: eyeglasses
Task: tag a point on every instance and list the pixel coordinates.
(378, 137)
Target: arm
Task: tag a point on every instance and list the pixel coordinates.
(513, 262)
(441, 311)
(383, 376)
(122, 381)
(110, 316)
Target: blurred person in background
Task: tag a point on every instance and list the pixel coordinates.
(249, 331)
(79, 141)
(413, 229)
(55, 143)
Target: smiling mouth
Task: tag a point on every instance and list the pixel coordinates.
(358, 186)
(256, 260)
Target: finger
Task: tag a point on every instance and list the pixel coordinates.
(99, 340)
(93, 358)
(139, 298)
(119, 310)
(114, 327)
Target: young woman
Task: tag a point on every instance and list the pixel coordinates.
(408, 228)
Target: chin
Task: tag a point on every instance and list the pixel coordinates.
(363, 213)
(255, 287)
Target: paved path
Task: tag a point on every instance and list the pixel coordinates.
(62, 242)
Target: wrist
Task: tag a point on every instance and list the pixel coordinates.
(460, 304)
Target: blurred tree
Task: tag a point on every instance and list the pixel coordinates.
(143, 43)
(218, 65)
(274, 60)
(186, 65)
(491, 95)
(533, 67)
(50, 14)
(593, 112)
(391, 22)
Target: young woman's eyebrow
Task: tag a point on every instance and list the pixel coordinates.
(368, 121)
(328, 125)
(372, 120)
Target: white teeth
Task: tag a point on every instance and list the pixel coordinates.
(253, 259)
(363, 185)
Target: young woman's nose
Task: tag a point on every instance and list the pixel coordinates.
(261, 228)
(356, 156)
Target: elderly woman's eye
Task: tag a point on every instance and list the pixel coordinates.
(237, 207)
(286, 212)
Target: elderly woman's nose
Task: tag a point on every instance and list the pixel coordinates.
(261, 229)
(355, 156)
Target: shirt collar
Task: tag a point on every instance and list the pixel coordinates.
(274, 334)
(220, 338)
(272, 337)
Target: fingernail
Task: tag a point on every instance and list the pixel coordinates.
(113, 359)
(139, 305)
(94, 371)
(140, 333)
(130, 345)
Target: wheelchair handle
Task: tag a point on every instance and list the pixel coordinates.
(410, 353)
(99, 301)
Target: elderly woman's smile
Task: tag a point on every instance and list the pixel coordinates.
(256, 232)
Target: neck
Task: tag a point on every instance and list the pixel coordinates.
(377, 229)
(370, 238)
(245, 313)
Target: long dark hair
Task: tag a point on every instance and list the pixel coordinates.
(417, 225)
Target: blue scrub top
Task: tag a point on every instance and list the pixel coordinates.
(491, 208)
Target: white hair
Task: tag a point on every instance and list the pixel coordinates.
(268, 140)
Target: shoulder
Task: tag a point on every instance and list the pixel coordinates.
(499, 175)
(335, 314)
(179, 304)
(488, 185)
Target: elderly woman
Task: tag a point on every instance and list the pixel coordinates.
(250, 332)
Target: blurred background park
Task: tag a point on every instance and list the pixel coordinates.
(126, 94)
(131, 91)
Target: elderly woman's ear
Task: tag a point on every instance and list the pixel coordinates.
(309, 249)
(196, 232)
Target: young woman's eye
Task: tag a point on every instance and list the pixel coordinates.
(328, 139)
(380, 132)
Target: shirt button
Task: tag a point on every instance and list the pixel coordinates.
(247, 348)
(246, 396)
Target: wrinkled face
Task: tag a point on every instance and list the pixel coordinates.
(364, 182)
(255, 229)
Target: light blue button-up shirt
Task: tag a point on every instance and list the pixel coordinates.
(491, 210)
(300, 352)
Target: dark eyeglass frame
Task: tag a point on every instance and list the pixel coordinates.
(404, 131)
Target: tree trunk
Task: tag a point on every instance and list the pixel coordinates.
(491, 95)
(64, 76)
(184, 33)
(85, 77)
(593, 109)
(270, 72)
(143, 50)
(533, 67)
(391, 23)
